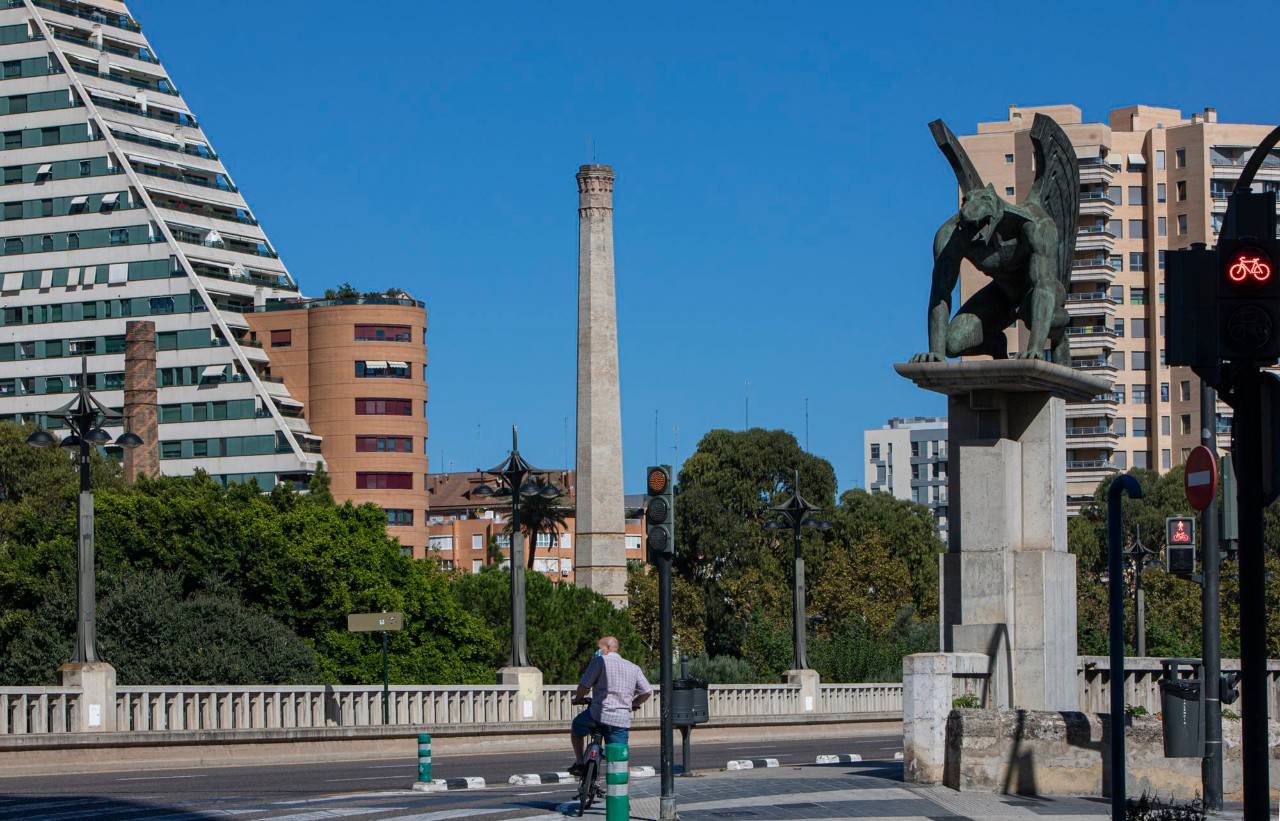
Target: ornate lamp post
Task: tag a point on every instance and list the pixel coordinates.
(85, 418)
(517, 478)
(1140, 556)
(797, 513)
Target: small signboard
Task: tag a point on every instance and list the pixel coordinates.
(375, 622)
(1201, 480)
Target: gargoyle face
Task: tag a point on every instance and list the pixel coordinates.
(981, 211)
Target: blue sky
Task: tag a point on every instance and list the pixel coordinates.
(777, 186)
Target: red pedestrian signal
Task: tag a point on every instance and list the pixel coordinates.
(1180, 530)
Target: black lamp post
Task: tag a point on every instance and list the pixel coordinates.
(516, 478)
(1140, 556)
(85, 418)
(797, 513)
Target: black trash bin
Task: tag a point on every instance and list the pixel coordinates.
(1182, 708)
(689, 704)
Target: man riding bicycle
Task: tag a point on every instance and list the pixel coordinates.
(617, 688)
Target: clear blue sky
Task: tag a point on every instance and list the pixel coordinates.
(777, 186)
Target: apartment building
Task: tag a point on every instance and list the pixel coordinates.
(1151, 180)
(467, 532)
(907, 458)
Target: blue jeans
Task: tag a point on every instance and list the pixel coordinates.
(584, 724)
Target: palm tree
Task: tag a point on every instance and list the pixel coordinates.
(540, 514)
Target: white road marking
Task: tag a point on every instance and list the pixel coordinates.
(344, 797)
(367, 778)
(159, 777)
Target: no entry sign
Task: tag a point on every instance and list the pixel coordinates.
(1201, 478)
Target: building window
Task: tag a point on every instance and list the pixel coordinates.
(1182, 225)
(1138, 296)
(1008, 159)
(1138, 360)
(1139, 396)
(384, 407)
(1116, 360)
(1184, 390)
(1120, 426)
(1120, 460)
(1008, 190)
(1142, 459)
(1159, 159)
(1136, 195)
(1115, 193)
(1138, 328)
(1117, 262)
(440, 543)
(1184, 424)
(1180, 158)
(383, 333)
(1180, 191)
(381, 369)
(1116, 228)
(119, 236)
(1137, 229)
(384, 444)
(1118, 326)
(875, 451)
(1137, 260)
(1164, 391)
(282, 338)
(1162, 226)
(384, 481)
(73, 241)
(1166, 459)
(915, 448)
(161, 304)
(1140, 426)
(399, 517)
(46, 243)
(1164, 426)
(1162, 192)
(477, 541)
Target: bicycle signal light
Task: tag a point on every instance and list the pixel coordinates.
(1249, 266)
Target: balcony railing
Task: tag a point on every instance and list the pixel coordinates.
(1090, 330)
(192, 150)
(1090, 364)
(356, 300)
(119, 21)
(129, 81)
(136, 54)
(1089, 297)
(1106, 397)
(1096, 196)
(1090, 464)
(1100, 430)
(183, 208)
(187, 179)
(195, 239)
(152, 112)
(1219, 161)
(1092, 262)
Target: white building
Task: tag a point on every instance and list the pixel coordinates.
(908, 459)
(116, 207)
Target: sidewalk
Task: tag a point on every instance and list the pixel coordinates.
(866, 790)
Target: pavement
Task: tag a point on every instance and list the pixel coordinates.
(369, 790)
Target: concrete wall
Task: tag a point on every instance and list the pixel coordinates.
(1047, 753)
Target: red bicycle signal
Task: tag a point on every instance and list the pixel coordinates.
(1249, 264)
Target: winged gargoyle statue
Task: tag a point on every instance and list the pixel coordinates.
(1026, 248)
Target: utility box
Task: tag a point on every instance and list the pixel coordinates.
(1182, 707)
(689, 702)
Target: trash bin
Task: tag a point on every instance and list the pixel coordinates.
(689, 704)
(1182, 707)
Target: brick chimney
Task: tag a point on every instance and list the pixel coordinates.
(141, 414)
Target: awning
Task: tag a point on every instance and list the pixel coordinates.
(47, 168)
(118, 273)
(80, 200)
(375, 364)
(212, 237)
(1137, 159)
(1088, 152)
(157, 135)
(287, 402)
(234, 320)
(143, 158)
(397, 364)
(110, 199)
(107, 95)
(213, 370)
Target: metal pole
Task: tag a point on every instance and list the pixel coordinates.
(686, 754)
(86, 583)
(1115, 568)
(519, 651)
(1140, 626)
(386, 690)
(1211, 637)
(1247, 446)
(799, 656)
(667, 804)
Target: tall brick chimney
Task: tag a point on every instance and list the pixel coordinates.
(141, 414)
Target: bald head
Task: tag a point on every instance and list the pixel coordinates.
(608, 644)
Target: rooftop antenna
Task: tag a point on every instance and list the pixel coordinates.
(675, 448)
(806, 424)
(655, 436)
(746, 406)
(564, 438)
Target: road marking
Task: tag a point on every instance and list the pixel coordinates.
(344, 797)
(159, 777)
(367, 778)
(405, 766)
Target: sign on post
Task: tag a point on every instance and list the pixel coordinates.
(1201, 479)
(375, 622)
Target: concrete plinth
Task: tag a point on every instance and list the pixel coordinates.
(97, 683)
(528, 680)
(809, 682)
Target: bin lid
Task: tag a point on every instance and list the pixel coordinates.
(1187, 687)
(689, 684)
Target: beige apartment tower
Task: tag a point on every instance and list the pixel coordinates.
(1152, 180)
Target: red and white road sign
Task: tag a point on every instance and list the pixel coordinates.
(1201, 479)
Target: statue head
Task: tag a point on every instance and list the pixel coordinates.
(981, 210)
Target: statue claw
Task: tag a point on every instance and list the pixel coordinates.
(1030, 355)
(928, 356)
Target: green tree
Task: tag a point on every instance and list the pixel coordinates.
(688, 612)
(540, 514)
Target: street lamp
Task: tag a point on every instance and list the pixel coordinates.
(517, 478)
(1140, 556)
(85, 418)
(797, 513)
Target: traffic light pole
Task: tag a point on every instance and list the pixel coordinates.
(667, 804)
(1247, 446)
(1211, 636)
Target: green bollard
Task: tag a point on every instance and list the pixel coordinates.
(424, 757)
(617, 799)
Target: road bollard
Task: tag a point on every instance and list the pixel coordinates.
(617, 798)
(424, 757)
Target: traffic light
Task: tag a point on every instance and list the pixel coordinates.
(660, 512)
(1192, 292)
(1229, 689)
(1249, 297)
(1180, 545)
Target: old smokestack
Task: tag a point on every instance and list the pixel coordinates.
(140, 411)
(600, 541)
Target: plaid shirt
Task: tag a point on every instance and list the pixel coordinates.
(614, 683)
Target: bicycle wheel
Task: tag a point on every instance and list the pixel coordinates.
(587, 790)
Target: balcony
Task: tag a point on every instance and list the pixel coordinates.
(138, 53)
(119, 21)
(1103, 405)
(187, 179)
(1096, 204)
(1095, 268)
(193, 149)
(1098, 239)
(1095, 366)
(1101, 437)
(152, 113)
(1091, 303)
(1091, 335)
(1089, 471)
(226, 243)
(160, 86)
(1096, 171)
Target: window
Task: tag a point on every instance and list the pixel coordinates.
(1162, 192)
(633, 542)
(1118, 390)
(1180, 158)
(1180, 191)
(384, 444)
(170, 450)
(1162, 226)
(399, 517)
(378, 368)
(1184, 424)
(1008, 159)
(1118, 326)
(915, 448)
(1164, 425)
(439, 543)
(1184, 390)
(1116, 360)
(1142, 459)
(1137, 296)
(1137, 260)
(1138, 328)
(282, 338)
(1117, 293)
(1008, 190)
(1139, 395)
(1164, 391)
(1159, 159)
(1117, 261)
(384, 481)
(13, 175)
(384, 407)
(161, 304)
(1182, 224)
(1166, 459)
(875, 451)
(1140, 426)
(73, 241)
(1115, 193)
(119, 236)
(1135, 195)
(383, 333)
(1139, 360)
(477, 541)
(1120, 427)
(86, 168)
(46, 242)
(1137, 229)
(1116, 227)
(12, 139)
(1120, 460)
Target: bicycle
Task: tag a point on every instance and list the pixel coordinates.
(589, 788)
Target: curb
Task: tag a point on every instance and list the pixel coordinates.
(837, 759)
(449, 784)
(750, 763)
(534, 779)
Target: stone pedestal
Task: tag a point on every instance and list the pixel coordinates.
(1008, 582)
(929, 683)
(808, 681)
(528, 680)
(97, 683)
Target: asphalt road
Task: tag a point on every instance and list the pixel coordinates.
(366, 788)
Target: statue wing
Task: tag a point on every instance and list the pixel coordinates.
(966, 174)
(1057, 186)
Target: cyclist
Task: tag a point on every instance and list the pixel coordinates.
(617, 688)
